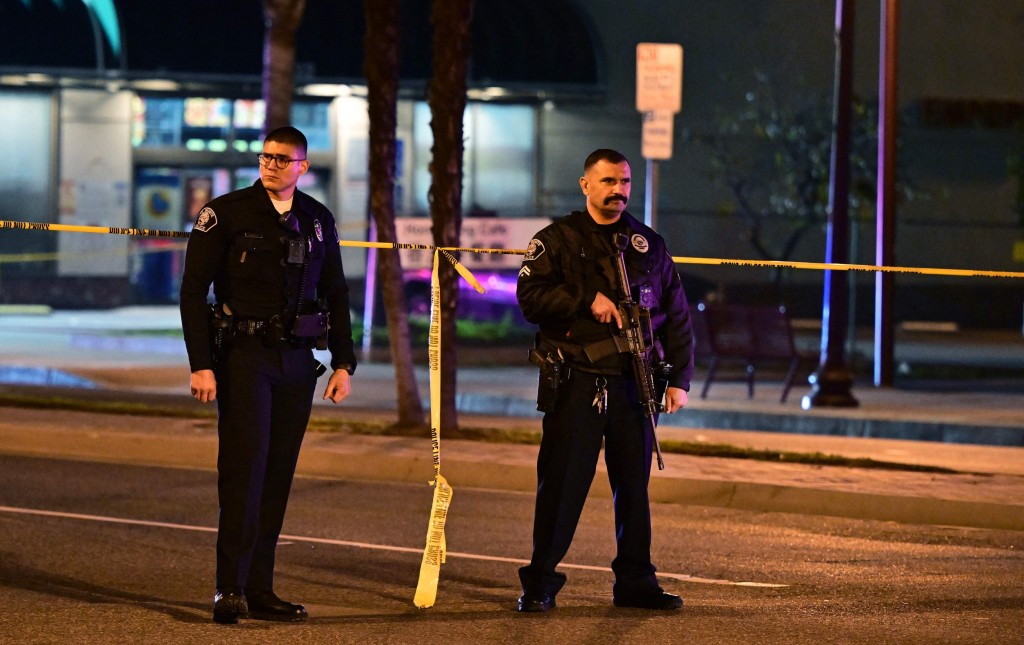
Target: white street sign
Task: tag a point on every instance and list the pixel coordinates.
(659, 77)
(657, 135)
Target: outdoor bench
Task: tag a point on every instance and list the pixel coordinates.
(751, 334)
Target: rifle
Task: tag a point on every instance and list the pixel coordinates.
(633, 316)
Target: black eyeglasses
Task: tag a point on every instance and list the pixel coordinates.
(280, 161)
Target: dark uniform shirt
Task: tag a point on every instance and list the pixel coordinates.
(568, 262)
(238, 245)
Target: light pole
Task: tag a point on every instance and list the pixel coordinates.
(885, 223)
(832, 380)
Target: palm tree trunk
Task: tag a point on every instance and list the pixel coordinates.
(282, 18)
(382, 38)
(452, 20)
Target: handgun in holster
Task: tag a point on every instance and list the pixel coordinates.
(553, 372)
(220, 333)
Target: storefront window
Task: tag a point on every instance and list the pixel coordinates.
(207, 124)
(156, 122)
(217, 124)
(498, 163)
(314, 121)
(249, 117)
(25, 184)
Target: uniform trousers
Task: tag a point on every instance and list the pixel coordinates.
(566, 463)
(264, 397)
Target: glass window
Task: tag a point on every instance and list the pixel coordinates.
(25, 184)
(156, 122)
(248, 122)
(498, 162)
(206, 124)
(314, 121)
(503, 172)
(216, 124)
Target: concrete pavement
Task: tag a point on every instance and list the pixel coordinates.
(975, 434)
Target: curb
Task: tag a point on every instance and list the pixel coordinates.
(750, 496)
(810, 424)
(181, 445)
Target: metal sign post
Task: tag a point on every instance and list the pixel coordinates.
(659, 96)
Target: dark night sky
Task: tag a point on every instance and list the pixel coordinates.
(532, 41)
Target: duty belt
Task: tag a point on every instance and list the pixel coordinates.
(250, 327)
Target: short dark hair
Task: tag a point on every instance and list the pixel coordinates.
(603, 154)
(288, 135)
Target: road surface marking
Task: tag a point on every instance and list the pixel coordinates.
(365, 545)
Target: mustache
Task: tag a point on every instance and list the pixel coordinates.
(612, 198)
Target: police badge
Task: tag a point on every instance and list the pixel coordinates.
(318, 230)
(534, 250)
(206, 220)
(640, 243)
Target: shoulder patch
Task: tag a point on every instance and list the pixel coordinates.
(640, 243)
(534, 250)
(206, 220)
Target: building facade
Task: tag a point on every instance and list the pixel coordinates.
(132, 117)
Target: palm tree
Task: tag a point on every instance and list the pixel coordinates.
(382, 37)
(282, 18)
(447, 98)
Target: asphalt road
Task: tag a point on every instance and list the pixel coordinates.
(114, 553)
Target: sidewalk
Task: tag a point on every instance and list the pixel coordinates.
(101, 354)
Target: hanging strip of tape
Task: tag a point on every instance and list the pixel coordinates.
(466, 274)
(436, 548)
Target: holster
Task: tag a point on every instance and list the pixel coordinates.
(310, 325)
(314, 325)
(553, 374)
(220, 334)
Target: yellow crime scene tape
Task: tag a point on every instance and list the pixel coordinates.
(74, 228)
(435, 550)
(471, 279)
(466, 274)
(831, 266)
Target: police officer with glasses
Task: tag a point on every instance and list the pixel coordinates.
(271, 253)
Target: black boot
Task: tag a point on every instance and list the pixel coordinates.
(228, 606)
(265, 605)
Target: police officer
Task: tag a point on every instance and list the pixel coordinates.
(271, 253)
(568, 286)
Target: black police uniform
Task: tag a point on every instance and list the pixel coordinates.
(257, 264)
(566, 264)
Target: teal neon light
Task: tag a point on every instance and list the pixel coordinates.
(105, 14)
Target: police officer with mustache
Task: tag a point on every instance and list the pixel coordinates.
(568, 286)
